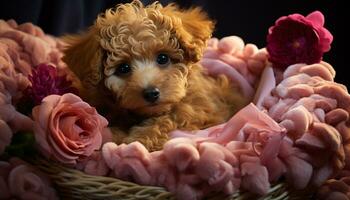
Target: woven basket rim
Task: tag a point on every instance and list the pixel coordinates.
(103, 187)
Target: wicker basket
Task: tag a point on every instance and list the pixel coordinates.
(74, 184)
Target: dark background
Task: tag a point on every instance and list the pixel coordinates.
(246, 18)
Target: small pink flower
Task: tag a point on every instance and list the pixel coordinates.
(67, 129)
(19, 180)
(298, 39)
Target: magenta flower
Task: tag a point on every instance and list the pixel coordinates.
(46, 81)
(298, 39)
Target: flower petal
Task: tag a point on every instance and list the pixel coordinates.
(317, 18)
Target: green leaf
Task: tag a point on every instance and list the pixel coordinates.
(22, 145)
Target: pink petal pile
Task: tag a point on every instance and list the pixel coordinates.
(19, 180)
(21, 47)
(298, 129)
(315, 111)
(307, 102)
(219, 159)
(243, 64)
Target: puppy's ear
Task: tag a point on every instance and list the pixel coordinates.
(83, 56)
(193, 29)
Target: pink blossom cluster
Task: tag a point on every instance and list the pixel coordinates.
(19, 180)
(314, 109)
(21, 47)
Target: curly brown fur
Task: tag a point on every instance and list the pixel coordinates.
(135, 35)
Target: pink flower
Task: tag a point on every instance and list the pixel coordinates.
(298, 39)
(67, 129)
(18, 180)
(46, 81)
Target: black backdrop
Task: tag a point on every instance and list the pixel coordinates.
(246, 18)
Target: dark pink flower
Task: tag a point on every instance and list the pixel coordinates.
(298, 39)
(46, 81)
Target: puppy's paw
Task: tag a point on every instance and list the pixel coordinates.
(149, 136)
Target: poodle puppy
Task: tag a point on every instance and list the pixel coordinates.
(140, 65)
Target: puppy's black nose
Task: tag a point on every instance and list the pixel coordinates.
(151, 94)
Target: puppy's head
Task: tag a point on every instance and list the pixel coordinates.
(141, 55)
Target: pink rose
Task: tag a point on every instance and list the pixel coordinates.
(18, 180)
(298, 39)
(67, 129)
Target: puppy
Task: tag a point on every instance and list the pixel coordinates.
(140, 65)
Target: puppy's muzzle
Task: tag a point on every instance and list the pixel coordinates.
(151, 94)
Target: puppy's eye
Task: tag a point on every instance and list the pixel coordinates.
(123, 69)
(163, 59)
